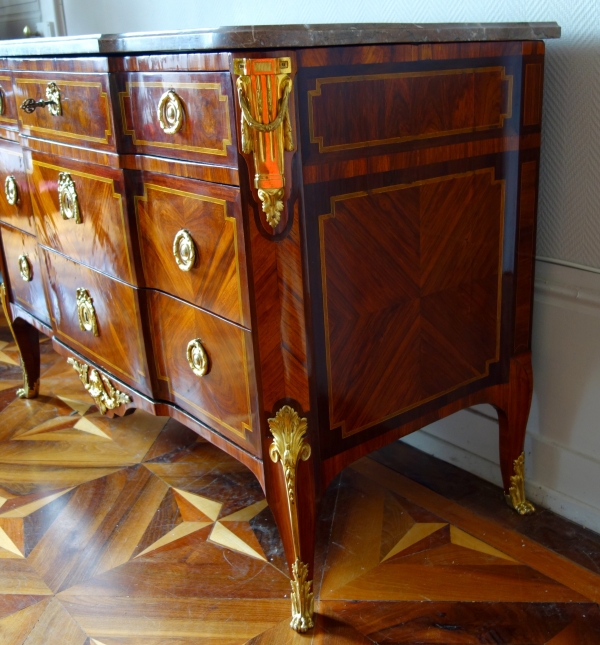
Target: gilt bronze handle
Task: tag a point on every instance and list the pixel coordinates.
(25, 268)
(197, 357)
(52, 101)
(170, 112)
(184, 250)
(11, 190)
(67, 198)
(86, 312)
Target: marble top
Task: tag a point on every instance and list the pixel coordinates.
(278, 36)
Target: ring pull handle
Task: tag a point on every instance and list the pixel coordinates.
(67, 198)
(197, 357)
(170, 112)
(53, 101)
(86, 312)
(184, 250)
(25, 268)
(11, 190)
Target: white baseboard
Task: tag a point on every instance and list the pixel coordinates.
(573, 509)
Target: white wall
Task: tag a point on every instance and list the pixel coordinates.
(564, 436)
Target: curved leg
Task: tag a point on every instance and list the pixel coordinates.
(513, 411)
(27, 340)
(291, 497)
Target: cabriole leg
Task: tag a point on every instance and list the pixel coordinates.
(513, 412)
(291, 497)
(27, 340)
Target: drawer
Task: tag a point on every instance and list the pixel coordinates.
(183, 115)
(192, 242)
(98, 317)
(80, 211)
(80, 113)
(21, 254)
(8, 106)
(15, 202)
(221, 397)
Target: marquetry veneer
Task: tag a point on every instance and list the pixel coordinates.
(302, 253)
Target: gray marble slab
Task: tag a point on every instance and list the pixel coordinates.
(279, 36)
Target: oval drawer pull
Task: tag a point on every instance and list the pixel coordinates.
(170, 112)
(67, 198)
(86, 312)
(11, 190)
(184, 250)
(53, 101)
(197, 357)
(25, 268)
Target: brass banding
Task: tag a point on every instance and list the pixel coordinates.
(67, 198)
(25, 268)
(170, 112)
(184, 250)
(11, 190)
(197, 357)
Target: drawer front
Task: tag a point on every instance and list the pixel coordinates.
(187, 116)
(192, 243)
(80, 114)
(80, 211)
(15, 202)
(8, 105)
(25, 279)
(106, 330)
(221, 397)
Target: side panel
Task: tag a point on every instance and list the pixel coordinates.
(411, 159)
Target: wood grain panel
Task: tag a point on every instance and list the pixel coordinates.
(77, 65)
(223, 397)
(29, 295)
(102, 240)
(404, 53)
(86, 118)
(349, 112)
(422, 156)
(280, 310)
(525, 256)
(207, 132)
(8, 113)
(212, 216)
(532, 104)
(180, 168)
(87, 155)
(119, 344)
(12, 164)
(411, 293)
(173, 62)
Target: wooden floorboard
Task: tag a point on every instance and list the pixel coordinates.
(134, 531)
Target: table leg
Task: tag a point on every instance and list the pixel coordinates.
(27, 339)
(513, 411)
(291, 497)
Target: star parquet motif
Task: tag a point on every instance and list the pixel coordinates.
(134, 531)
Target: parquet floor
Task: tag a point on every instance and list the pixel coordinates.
(134, 531)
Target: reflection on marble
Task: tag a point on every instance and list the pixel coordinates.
(276, 36)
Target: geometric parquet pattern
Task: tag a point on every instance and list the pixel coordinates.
(134, 531)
